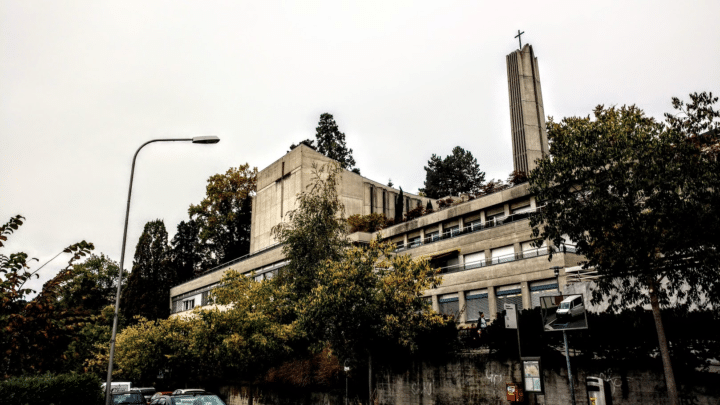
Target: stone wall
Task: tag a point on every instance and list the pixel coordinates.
(471, 379)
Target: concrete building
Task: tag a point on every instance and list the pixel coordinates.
(527, 115)
(483, 246)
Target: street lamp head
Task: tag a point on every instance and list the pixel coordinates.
(206, 139)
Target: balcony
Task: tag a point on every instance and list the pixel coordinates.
(527, 254)
(472, 228)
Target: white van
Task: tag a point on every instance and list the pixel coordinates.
(118, 386)
(570, 307)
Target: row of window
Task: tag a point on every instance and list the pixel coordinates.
(478, 300)
(474, 226)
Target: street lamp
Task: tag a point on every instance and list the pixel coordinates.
(197, 139)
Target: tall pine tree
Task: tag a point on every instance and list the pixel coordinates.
(331, 143)
(459, 173)
(186, 253)
(148, 288)
(399, 207)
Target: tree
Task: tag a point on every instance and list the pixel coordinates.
(35, 332)
(93, 286)
(307, 142)
(371, 299)
(639, 198)
(223, 217)
(314, 232)
(331, 143)
(148, 287)
(186, 253)
(459, 173)
(399, 207)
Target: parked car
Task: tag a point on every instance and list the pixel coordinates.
(146, 392)
(159, 394)
(570, 307)
(128, 397)
(187, 391)
(203, 398)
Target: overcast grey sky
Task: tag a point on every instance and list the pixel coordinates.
(84, 83)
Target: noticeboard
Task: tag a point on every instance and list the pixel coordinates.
(563, 312)
(532, 374)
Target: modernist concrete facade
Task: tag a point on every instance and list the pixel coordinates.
(483, 246)
(527, 114)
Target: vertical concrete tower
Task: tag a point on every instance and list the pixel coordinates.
(527, 114)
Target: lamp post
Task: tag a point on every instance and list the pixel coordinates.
(197, 139)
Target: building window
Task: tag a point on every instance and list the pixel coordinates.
(509, 295)
(449, 304)
(543, 289)
(503, 254)
(432, 237)
(189, 304)
(452, 231)
(413, 242)
(476, 302)
(474, 260)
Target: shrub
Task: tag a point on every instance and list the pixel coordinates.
(414, 213)
(367, 223)
(57, 389)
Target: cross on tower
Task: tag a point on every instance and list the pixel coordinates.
(519, 39)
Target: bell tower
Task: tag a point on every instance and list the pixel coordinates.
(527, 115)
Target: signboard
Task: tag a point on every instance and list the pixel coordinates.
(510, 316)
(563, 312)
(513, 393)
(532, 374)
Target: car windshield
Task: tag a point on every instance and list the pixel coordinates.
(564, 305)
(131, 398)
(198, 400)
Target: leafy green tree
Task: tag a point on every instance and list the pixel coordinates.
(186, 252)
(459, 173)
(93, 286)
(331, 143)
(399, 207)
(36, 331)
(223, 217)
(241, 341)
(315, 231)
(371, 299)
(148, 287)
(640, 199)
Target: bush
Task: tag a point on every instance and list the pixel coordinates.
(58, 389)
(367, 223)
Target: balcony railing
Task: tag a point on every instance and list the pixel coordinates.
(472, 228)
(527, 254)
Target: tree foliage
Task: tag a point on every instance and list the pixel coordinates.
(640, 199)
(93, 286)
(315, 231)
(35, 332)
(186, 251)
(399, 207)
(458, 173)
(370, 299)
(223, 217)
(331, 143)
(148, 288)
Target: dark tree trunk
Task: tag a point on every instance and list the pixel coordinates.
(664, 349)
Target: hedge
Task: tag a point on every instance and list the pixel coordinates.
(52, 389)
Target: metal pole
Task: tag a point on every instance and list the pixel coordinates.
(108, 382)
(570, 377)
